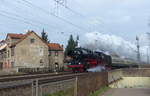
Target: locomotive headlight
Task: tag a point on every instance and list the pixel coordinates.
(79, 63)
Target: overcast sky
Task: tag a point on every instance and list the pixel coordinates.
(124, 18)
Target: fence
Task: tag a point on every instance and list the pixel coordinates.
(78, 86)
(34, 88)
(65, 87)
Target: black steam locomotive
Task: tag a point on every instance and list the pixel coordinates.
(83, 59)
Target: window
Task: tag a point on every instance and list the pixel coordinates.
(5, 54)
(1, 65)
(12, 52)
(8, 41)
(1, 55)
(56, 53)
(56, 65)
(8, 64)
(41, 61)
(12, 64)
(32, 40)
(8, 53)
(49, 53)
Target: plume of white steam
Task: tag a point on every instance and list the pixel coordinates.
(96, 69)
(112, 44)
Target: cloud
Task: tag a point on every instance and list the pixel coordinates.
(125, 18)
(114, 45)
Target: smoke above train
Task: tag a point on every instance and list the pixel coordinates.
(112, 44)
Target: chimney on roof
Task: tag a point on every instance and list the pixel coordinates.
(29, 31)
(32, 31)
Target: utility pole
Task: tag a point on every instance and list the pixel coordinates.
(147, 55)
(148, 49)
(57, 3)
(138, 50)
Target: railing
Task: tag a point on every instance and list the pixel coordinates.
(81, 85)
(34, 88)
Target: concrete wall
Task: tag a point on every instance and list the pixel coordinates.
(114, 75)
(132, 82)
(136, 72)
(130, 78)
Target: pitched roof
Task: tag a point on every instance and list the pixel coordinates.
(55, 46)
(25, 36)
(52, 46)
(15, 36)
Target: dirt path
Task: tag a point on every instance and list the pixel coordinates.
(128, 92)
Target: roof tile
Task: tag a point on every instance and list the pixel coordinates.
(55, 46)
(16, 36)
(52, 46)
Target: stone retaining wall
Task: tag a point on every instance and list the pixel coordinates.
(91, 82)
(17, 91)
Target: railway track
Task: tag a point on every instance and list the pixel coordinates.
(59, 78)
(26, 74)
(40, 77)
(28, 80)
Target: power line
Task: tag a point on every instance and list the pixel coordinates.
(35, 22)
(65, 6)
(18, 16)
(60, 2)
(15, 7)
(82, 8)
(16, 19)
(47, 12)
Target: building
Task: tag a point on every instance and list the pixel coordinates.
(29, 51)
(3, 46)
(56, 56)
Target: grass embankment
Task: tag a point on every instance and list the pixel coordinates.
(69, 92)
(100, 91)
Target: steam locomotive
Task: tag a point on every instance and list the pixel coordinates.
(83, 59)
